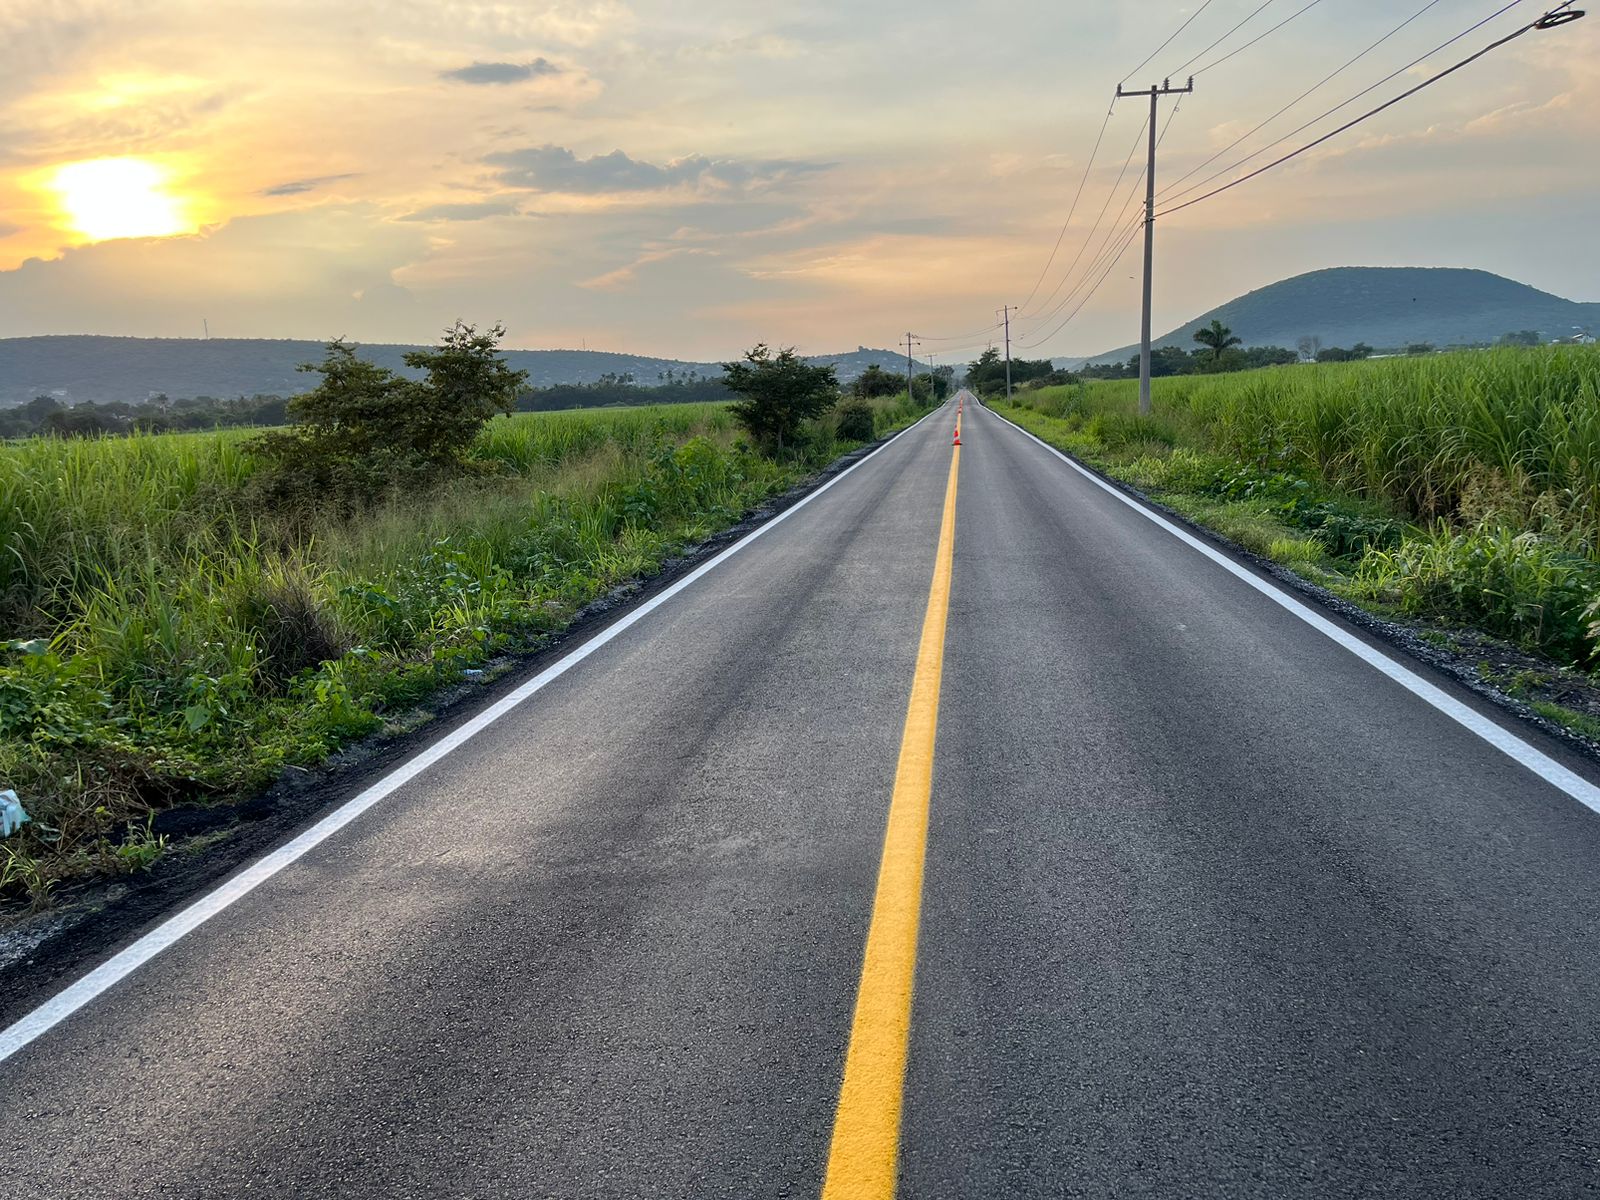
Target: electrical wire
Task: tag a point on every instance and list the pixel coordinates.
(1112, 250)
(1167, 192)
(1173, 37)
(1098, 221)
(1116, 225)
(1253, 15)
(1258, 38)
(1547, 21)
(956, 337)
(1123, 250)
(1071, 212)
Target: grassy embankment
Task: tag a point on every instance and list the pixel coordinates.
(1463, 488)
(160, 643)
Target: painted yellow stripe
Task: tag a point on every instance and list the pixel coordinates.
(866, 1129)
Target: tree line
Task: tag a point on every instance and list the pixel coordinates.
(48, 416)
(1219, 351)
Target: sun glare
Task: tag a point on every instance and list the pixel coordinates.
(118, 198)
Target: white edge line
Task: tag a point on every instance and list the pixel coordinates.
(1508, 743)
(128, 960)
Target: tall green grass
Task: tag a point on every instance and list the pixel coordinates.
(1490, 458)
(166, 642)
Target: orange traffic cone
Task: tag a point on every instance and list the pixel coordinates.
(958, 435)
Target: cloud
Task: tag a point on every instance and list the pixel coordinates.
(624, 276)
(296, 187)
(558, 169)
(467, 211)
(239, 276)
(481, 73)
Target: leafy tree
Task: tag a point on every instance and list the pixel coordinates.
(987, 376)
(1308, 347)
(929, 389)
(1521, 337)
(1334, 354)
(1204, 362)
(1361, 350)
(1164, 361)
(875, 382)
(1217, 338)
(84, 420)
(1269, 356)
(778, 394)
(364, 430)
(1420, 348)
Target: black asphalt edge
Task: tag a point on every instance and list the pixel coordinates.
(1387, 633)
(42, 953)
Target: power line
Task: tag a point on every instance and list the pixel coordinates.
(1095, 228)
(1131, 237)
(1110, 108)
(1173, 37)
(1265, 4)
(1258, 38)
(1115, 248)
(1550, 20)
(957, 337)
(1111, 235)
(1324, 81)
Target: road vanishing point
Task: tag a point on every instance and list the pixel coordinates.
(966, 832)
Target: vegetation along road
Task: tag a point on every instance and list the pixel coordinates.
(1203, 893)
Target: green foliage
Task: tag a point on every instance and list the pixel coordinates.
(171, 643)
(778, 394)
(1217, 338)
(1462, 487)
(930, 388)
(875, 382)
(1515, 584)
(365, 430)
(987, 376)
(47, 416)
(855, 421)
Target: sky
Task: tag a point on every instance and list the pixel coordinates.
(687, 179)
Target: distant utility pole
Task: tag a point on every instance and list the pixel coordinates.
(911, 394)
(1155, 93)
(1005, 315)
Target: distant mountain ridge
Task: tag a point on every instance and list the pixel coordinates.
(76, 368)
(1386, 307)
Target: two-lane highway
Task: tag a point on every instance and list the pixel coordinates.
(1209, 906)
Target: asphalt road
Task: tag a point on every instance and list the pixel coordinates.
(1211, 908)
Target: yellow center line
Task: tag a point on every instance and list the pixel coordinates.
(866, 1128)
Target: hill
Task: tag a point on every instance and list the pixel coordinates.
(1386, 307)
(75, 368)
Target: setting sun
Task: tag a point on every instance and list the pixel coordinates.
(118, 198)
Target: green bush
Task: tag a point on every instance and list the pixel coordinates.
(1517, 585)
(855, 421)
(174, 644)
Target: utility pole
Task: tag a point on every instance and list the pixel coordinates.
(1005, 315)
(911, 393)
(1155, 93)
